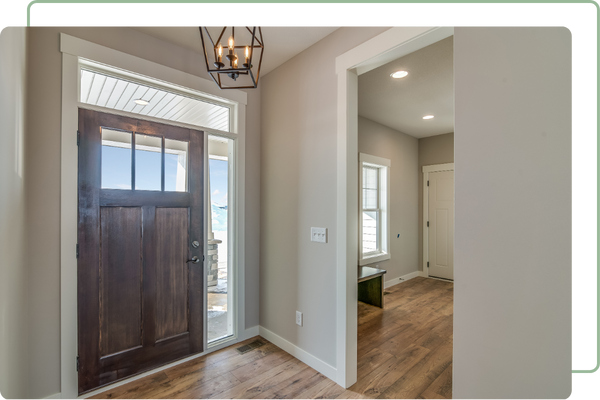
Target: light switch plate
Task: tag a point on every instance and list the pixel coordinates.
(318, 235)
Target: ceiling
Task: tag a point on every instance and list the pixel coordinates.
(282, 41)
(427, 89)
(397, 103)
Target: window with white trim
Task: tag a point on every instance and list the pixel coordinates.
(374, 213)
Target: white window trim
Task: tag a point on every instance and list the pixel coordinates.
(384, 214)
(73, 51)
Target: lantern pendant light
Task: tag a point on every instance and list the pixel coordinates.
(229, 68)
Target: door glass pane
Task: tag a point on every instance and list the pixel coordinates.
(176, 164)
(116, 159)
(148, 162)
(369, 232)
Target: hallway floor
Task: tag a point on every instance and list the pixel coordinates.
(404, 351)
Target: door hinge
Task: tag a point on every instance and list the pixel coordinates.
(78, 137)
(427, 264)
(77, 364)
(428, 224)
(77, 250)
(427, 181)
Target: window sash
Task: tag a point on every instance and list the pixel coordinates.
(377, 187)
(371, 246)
(374, 173)
(369, 249)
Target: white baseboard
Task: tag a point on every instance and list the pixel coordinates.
(54, 396)
(403, 278)
(302, 355)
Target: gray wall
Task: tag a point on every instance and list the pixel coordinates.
(512, 313)
(403, 150)
(432, 150)
(298, 191)
(13, 268)
(43, 185)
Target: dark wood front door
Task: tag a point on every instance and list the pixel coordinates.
(140, 302)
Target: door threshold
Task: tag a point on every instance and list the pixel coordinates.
(441, 279)
(219, 341)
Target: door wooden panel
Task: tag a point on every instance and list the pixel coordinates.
(172, 271)
(441, 237)
(139, 302)
(441, 224)
(120, 279)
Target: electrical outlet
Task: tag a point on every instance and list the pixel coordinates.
(298, 318)
(318, 235)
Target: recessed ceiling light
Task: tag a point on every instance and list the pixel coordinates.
(399, 74)
(141, 102)
(428, 117)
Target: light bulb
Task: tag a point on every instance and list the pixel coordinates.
(399, 74)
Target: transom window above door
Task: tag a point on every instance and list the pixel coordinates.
(124, 93)
(144, 162)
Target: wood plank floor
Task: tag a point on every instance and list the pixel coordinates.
(404, 352)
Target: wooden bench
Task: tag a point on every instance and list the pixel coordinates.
(370, 285)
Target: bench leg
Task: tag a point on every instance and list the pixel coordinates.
(371, 291)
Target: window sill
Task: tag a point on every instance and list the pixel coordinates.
(373, 259)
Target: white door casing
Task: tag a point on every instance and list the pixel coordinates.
(389, 45)
(438, 220)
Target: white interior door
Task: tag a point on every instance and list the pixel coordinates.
(441, 224)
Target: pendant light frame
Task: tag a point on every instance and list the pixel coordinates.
(219, 68)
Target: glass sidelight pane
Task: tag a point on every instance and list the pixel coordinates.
(220, 307)
(176, 164)
(116, 159)
(148, 162)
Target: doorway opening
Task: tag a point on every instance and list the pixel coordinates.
(176, 99)
(405, 110)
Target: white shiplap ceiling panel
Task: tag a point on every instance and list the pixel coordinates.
(119, 94)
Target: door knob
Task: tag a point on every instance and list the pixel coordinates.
(194, 260)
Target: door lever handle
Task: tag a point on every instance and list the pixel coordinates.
(194, 260)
